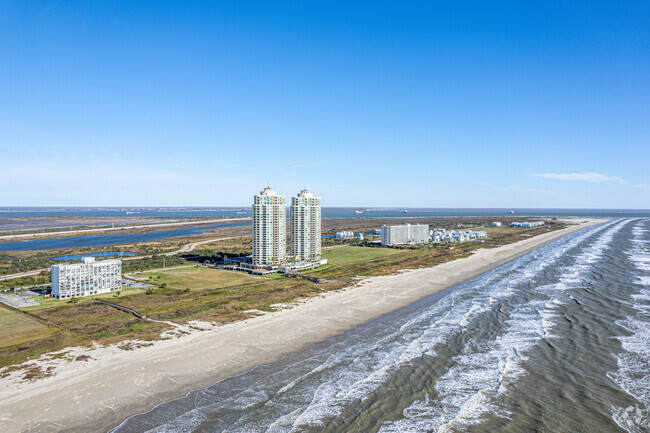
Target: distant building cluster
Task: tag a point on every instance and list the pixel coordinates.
(527, 224)
(348, 234)
(441, 235)
(86, 278)
(496, 224)
(344, 235)
(412, 234)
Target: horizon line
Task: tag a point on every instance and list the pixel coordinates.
(364, 207)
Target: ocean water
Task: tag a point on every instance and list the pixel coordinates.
(556, 341)
(328, 212)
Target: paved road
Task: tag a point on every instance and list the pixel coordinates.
(190, 247)
(106, 229)
(134, 275)
(185, 249)
(22, 274)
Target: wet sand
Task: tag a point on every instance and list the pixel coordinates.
(99, 394)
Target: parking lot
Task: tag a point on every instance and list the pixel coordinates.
(17, 301)
(135, 284)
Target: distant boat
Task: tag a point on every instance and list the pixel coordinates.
(129, 212)
(239, 213)
(511, 212)
(408, 211)
(358, 211)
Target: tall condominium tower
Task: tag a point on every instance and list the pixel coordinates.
(305, 226)
(269, 228)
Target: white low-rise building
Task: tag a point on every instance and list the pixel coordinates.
(442, 235)
(458, 237)
(86, 278)
(496, 224)
(302, 266)
(344, 235)
(527, 224)
(404, 234)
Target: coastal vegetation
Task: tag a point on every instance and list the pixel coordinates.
(208, 294)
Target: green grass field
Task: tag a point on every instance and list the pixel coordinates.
(346, 263)
(17, 328)
(213, 294)
(198, 278)
(349, 254)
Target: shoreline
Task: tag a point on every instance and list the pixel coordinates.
(99, 394)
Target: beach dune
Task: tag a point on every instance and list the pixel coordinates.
(99, 394)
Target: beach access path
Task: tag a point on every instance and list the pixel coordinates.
(98, 394)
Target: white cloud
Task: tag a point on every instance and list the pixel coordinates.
(585, 177)
(644, 186)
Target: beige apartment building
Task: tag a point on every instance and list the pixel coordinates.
(305, 227)
(269, 228)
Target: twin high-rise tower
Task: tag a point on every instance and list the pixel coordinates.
(305, 227)
(269, 227)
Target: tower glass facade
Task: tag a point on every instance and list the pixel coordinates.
(305, 227)
(269, 228)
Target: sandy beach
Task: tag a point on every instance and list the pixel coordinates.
(98, 394)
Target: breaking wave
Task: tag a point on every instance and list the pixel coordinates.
(449, 363)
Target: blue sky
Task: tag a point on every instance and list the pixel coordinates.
(383, 103)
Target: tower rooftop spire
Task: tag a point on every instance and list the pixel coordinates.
(305, 194)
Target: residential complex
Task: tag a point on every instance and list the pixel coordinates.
(305, 227)
(86, 278)
(344, 235)
(527, 224)
(441, 235)
(404, 234)
(269, 228)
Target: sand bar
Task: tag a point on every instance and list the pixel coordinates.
(98, 394)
